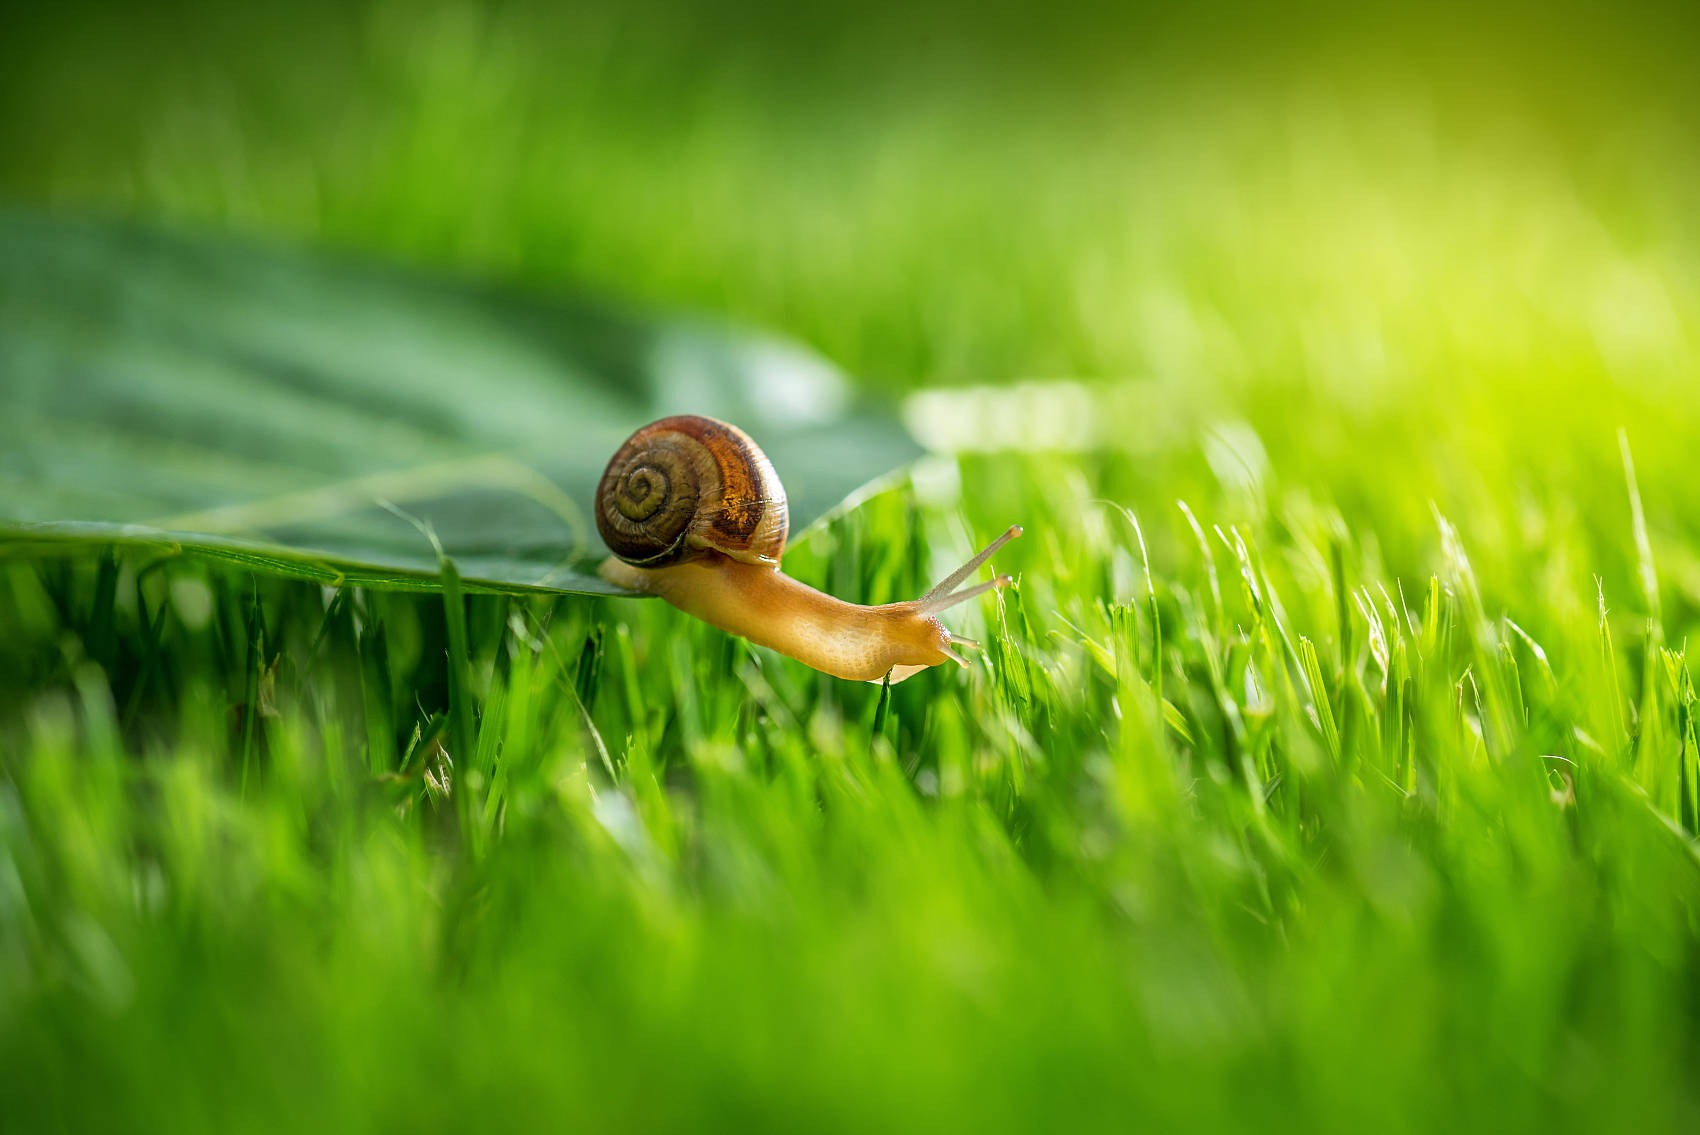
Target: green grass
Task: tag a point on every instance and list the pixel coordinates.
(1361, 792)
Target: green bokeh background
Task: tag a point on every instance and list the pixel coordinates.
(925, 193)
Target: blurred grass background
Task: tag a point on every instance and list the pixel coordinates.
(1320, 275)
(1405, 222)
(925, 193)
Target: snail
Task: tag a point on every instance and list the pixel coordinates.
(694, 513)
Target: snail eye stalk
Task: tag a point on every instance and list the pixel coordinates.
(944, 596)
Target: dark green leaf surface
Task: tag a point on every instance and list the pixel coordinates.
(316, 417)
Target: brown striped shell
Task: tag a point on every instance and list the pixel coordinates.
(687, 484)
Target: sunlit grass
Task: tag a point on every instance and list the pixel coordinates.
(1285, 831)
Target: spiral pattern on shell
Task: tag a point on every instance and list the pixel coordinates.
(687, 484)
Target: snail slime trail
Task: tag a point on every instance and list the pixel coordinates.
(694, 512)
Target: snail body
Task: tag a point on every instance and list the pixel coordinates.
(695, 514)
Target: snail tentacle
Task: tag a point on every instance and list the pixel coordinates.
(948, 584)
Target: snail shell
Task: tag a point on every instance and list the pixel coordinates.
(688, 484)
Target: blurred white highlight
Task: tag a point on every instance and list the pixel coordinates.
(1138, 416)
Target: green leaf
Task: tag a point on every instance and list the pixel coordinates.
(318, 417)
